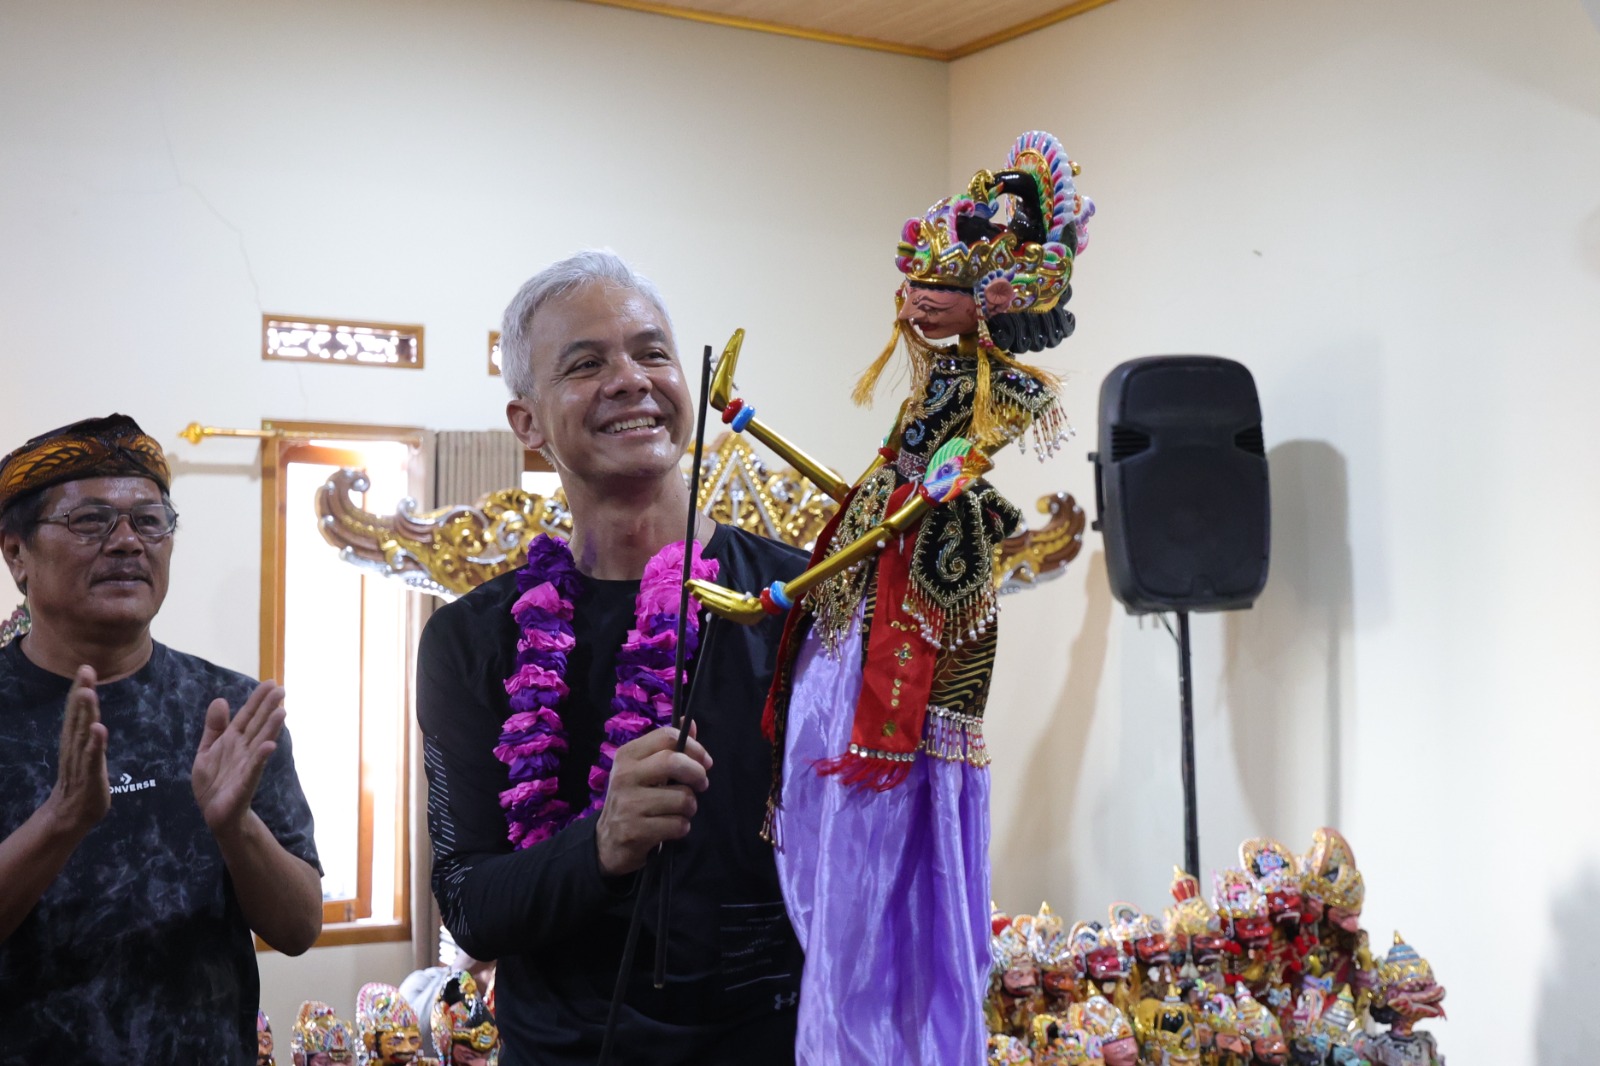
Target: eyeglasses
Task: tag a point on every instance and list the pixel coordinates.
(93, 522)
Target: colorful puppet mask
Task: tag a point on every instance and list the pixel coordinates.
(388, 1027)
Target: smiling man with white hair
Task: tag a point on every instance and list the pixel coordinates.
(544, 695)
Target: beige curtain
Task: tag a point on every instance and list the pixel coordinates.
(458, 467)
(469, 464)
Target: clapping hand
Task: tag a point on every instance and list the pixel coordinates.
(82, 792)
(232, 756)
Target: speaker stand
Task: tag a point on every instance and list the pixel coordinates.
(1191, 813)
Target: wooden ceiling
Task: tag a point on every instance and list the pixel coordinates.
(931, 29)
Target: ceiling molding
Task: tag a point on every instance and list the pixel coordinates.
(872, 44)
(1022, 29)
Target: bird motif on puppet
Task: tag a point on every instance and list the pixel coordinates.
(264, 1055)
(1260, 1027)
(946, 478)
(1407, 993)
(464, 1032)
(1341, 947)
(1243, 910)
(1165, 1031)
(388, 1030)
(1051, 949)
(1196, 940)
(1276, 873)
(320, 1037)
(1108, 1030)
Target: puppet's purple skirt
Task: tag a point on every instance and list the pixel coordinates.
(888, 891)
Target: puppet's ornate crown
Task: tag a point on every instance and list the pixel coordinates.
(1403, 964)
(1016, 260)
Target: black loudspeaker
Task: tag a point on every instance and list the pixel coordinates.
(1181, 484)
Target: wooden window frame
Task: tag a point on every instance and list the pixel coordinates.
(340, 925)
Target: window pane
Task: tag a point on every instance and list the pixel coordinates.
(321, 629)
(541, 482)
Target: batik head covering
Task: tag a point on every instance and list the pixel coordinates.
(113, 446)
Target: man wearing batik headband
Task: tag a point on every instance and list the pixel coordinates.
(544, 698)
(145, 836)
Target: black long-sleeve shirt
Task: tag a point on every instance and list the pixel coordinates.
(555, 924)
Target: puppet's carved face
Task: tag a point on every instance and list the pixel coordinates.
(399, 1046)
(940, 314)
(1271, 1050)
(1348, 920)
(1021, 978)
(1124, 1052)
(1151, 950)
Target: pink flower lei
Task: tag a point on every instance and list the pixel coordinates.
(534, 740)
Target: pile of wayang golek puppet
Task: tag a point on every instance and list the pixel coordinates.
(387, 1031)
(1275, 969)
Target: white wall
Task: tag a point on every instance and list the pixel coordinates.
(169, 171)
(1391, 214)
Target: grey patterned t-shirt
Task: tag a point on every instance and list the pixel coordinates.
(138, 952)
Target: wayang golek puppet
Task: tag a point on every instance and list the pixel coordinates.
(1051, 952)
(1100, 965)
(1276, 872)
(877, 701)
(464, 1032)
(1107, 1028)
(1014, 990)
(1406, 994)
(320, 1037)
(1144, 945)
(1232, 1024)
(388, 1030)
(1243, 910)
(1165, 1030)
(1338, 949)
(264, 1056)
(1195, 938)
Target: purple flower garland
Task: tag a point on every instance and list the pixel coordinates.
(534, 740)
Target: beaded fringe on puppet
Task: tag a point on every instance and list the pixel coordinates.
(926, 627)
